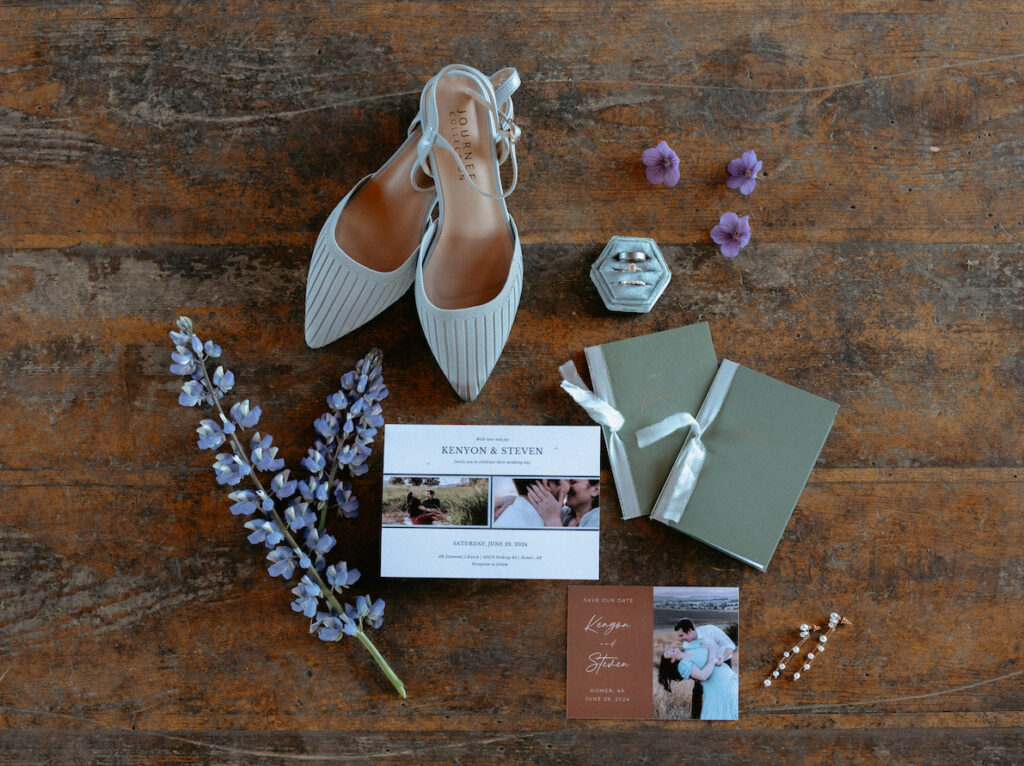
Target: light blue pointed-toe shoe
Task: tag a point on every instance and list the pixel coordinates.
(469, 275)
(366, 255)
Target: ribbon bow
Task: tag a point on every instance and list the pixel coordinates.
(603, 413)
(598, 409)
(682, 479)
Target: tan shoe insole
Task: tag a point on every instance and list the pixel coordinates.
(474, 248)
(383, 223)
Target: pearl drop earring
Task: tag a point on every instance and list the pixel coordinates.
(805, 632)
(834, 621)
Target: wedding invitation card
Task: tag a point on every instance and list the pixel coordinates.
(667, 653)
(491, 501)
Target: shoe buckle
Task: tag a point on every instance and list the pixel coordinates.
(510, 131)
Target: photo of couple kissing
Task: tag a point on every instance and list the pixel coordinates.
(522, 503)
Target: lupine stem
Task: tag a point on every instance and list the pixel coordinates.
(330, 483)
(381, 662)
(326, 591)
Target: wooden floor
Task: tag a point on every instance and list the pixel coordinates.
(159, 159)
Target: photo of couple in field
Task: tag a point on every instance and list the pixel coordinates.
(452, 501)
(695, 664)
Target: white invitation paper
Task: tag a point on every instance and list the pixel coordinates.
(491, 502)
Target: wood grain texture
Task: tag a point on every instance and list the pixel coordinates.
(159, 159)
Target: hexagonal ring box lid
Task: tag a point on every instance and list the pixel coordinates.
(630, 274)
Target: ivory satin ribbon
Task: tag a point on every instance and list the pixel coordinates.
(600, 412)
(682, 479)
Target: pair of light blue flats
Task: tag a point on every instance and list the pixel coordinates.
(434, 215)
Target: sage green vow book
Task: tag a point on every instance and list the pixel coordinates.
(760, 451)
(648, 378)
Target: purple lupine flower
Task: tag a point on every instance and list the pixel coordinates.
(264, 456)
(184, 362)
(266, 501)
(662, 165)
(201, 386)
(192, 392)
(319, 542)
(328, 627)
(282, 560)
(245, 502)
(314, 461)
(210, 434)
(743, 172)
(223, 381)
(376, 613)
(732, 233)
(183, 335)
(312, 490)
(326, 425)
(360, 610)
(281, 486)
(264, 531)
(348, 503)
(308, 594)
(340, 576)
(349, 628)
(230, 469)
(298, 516)
(303, 557)
(245, 416)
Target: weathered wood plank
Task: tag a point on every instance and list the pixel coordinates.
(937, 747)
(920, 345)
(143, 606)
(247, 126)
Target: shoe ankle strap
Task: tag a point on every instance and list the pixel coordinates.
(494, 95)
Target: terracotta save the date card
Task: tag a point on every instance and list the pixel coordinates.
(664, 652)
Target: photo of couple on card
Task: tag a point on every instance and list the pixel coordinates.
(435, 501)
(696, 662)
(565, 503)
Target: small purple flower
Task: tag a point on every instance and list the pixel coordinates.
(319, 542)
(314, 462)
(281, 486)
(326, 425)
(210, 434)
(335, 401)
(313, 491)
(662, 165)
(264, 531)
(340, 576)
(230, 469)
(244, 415)
(298, 516)
(193, 392)
(348, 503)
(264, 456)
(327, 627)
(308, 597)
(376, 613)
(743, 172)
(282, 562)
(184, 363)
(245, 502)
(732, 233)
